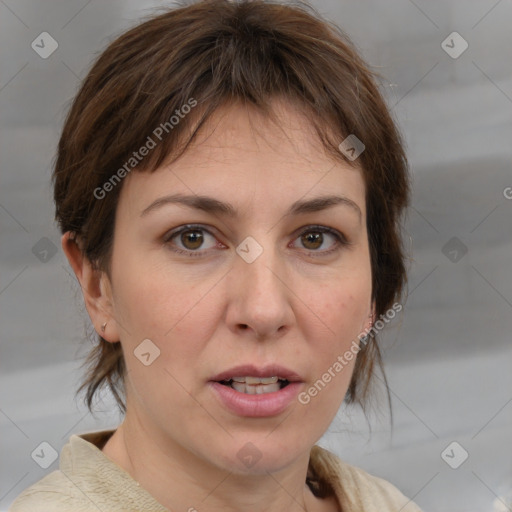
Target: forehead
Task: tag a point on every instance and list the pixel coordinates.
(243, 127)
(241, 154)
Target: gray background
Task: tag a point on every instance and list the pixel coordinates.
(449, 355)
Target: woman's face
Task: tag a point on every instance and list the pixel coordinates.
(260, 288)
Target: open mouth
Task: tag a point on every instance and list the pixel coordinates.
(256, 391)
(256, 385)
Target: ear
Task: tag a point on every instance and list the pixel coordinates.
(96, 289)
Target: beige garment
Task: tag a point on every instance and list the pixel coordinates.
(87, 480)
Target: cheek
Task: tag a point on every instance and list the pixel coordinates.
(144, 293)
(324, 394)
(340, 311)
(169, 309)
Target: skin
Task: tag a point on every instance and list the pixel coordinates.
(295, 305)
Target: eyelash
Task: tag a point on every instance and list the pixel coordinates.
(341, 241)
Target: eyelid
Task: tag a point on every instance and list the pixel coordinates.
(187, 227)
(325, 229)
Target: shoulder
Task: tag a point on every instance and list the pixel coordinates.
(86, 481)
(355, 488)
(53, 493)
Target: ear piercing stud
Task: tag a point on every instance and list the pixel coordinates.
(103, 327)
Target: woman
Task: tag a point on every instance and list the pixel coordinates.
(229, 186)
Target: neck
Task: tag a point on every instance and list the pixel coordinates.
(197, 484)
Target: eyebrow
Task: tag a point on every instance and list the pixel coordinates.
(216, 207)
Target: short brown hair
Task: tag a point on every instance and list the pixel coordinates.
(218, 51)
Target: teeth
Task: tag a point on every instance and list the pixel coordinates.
(256, 385)
(258, 389)
(256, 380)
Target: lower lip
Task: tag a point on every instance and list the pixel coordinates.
(256, 406)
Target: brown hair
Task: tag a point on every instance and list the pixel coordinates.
(216, 52)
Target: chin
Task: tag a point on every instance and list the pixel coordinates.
(260, 454)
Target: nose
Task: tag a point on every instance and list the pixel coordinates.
(259, 297)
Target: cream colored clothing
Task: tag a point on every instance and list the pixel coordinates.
(87, 480)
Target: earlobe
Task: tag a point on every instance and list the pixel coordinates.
(95, 288)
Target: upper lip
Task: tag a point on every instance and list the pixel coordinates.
(250, 370)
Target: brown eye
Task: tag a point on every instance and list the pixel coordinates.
(316, 240)
(188, 239)
(312, 240)
(192, 239)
